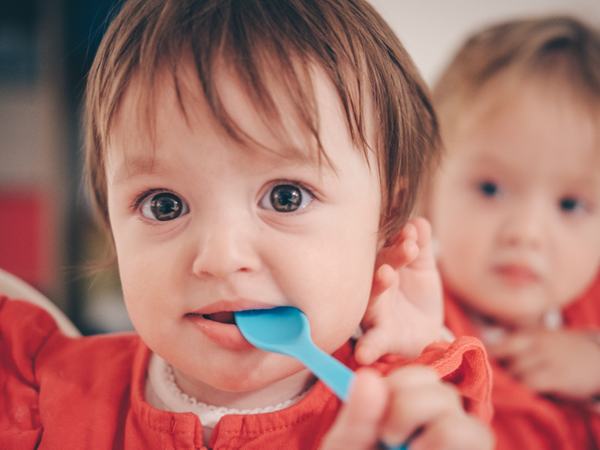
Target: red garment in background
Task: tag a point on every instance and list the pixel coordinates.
(27, 248)
(88, 393)
(523, 419)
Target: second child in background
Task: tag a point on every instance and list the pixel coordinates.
(515, 209)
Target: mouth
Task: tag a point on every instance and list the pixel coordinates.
(217, 322)
(517, 274)
(224, 317)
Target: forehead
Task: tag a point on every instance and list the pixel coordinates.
(148, 113)
(530, 129)
(532, 111)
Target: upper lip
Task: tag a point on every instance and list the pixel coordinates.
(231, 305)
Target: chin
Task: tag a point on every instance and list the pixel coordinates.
(236, 386)
(240, 380)
(523, 318)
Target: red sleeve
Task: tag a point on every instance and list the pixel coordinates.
(594, 421)
(463, 363)
(584, 313)
(24, 329)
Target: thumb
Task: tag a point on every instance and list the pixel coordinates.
(357, 424)
(372, 345)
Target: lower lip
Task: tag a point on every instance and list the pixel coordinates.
(226, 335)
(517, 276)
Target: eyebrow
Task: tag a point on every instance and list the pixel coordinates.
(134, 167)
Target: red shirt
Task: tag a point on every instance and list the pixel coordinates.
(523, 419)
(88, 393)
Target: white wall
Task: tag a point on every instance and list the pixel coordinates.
(431, 30)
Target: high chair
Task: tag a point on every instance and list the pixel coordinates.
(16, 288)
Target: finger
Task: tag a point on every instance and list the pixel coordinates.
(454, 432)
(512, 346)
(402, 249)
(417, 408)
(384, 278)
(525, 364)
(423, 228)
(372, 345)
(542, 379)
(411, 251)
(409, 231)
(394, 325)
(424, 241)
(357, 424)
(418, 397)
(408, 377)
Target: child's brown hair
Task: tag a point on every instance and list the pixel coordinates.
(557, 48)
(273, 40)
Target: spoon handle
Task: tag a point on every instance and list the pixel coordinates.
(329, 370)
(334, 374)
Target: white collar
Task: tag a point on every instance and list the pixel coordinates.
(494, 333)
(162, 392)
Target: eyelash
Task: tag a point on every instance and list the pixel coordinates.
(295, 183)
(138, 199)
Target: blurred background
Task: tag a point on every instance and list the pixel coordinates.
(47, 235)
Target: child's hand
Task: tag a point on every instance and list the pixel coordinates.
(410, 402)
(562, 363)
(405, 312)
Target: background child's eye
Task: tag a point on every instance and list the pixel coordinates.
(163, 206)
(488, 188)
(569, 204)
(286, 197)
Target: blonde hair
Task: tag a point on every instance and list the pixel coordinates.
(558, 47)
(262, 39)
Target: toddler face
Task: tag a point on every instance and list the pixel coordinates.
(204, 225)
(516, 207)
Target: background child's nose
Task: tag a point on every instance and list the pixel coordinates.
(225, 249)
(524, 226)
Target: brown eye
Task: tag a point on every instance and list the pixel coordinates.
(286, 198)
(163, 206)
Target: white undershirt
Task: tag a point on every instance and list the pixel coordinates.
(162, 392)
(494, 333)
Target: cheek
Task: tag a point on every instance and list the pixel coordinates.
(330, 273)
(135, 288)
(144, 276)
(331, 283)
(464, 254)
(450, 214)
(576, 265)
(461, 239)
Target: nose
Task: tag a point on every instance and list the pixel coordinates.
(523, 226)
(225, 248)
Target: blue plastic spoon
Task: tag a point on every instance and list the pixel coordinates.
(286, 330)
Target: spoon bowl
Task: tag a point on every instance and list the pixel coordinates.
(286, 330)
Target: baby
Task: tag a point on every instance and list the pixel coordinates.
(247, 155)
(515, 209)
